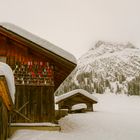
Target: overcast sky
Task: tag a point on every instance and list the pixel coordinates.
(75, 25)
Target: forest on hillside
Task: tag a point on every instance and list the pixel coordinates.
(94, 83)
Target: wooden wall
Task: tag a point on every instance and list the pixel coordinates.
(34, 79)
(29, 66)
(3, 121)
(34, 102)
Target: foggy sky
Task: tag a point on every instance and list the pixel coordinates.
(75, 25)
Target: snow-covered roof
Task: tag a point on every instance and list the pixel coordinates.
(7, 72)
(39, 41)
(76, 91)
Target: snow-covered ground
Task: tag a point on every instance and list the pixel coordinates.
(116, 117)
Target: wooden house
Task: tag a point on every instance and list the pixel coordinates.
(78, 96)
(39, 68)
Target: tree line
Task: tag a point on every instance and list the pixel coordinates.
(93, 82)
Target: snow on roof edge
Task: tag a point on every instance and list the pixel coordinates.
(8, 73)
(71, 93)
(41, 42)
(34, 124)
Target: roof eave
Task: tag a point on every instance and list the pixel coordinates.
(6, 26)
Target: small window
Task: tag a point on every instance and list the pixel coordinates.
(2, 59)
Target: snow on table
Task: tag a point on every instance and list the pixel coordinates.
(79, 106)
(7, 72)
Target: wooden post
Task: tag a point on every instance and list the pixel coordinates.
(89, 106)
(3, 121)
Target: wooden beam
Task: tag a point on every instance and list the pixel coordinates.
(23, 116)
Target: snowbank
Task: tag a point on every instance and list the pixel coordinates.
(7, 72)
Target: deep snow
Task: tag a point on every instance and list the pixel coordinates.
(116, 117)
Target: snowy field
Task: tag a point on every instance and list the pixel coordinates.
(116, 117)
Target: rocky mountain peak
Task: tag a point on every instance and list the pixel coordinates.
(112, 46)
(105, 49)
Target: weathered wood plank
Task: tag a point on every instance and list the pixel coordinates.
(4, 93)
(40, 107)
(3, 121)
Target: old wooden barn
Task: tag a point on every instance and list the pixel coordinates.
(39, 68)
(75, 97)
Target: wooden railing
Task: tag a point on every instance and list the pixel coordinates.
(33, 74)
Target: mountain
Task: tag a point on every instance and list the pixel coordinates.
(107, 67)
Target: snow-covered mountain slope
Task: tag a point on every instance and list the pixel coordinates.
(113, 66)
(107, 58)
